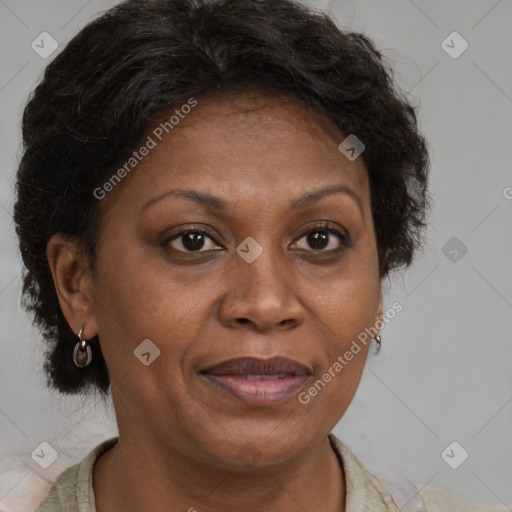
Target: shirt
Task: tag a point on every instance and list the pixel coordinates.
(72, 490)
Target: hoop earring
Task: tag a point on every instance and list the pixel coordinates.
(378, 340)
(82, 355)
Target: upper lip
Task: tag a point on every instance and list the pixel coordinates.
(256, 366)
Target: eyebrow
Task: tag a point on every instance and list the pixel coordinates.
(217, 203)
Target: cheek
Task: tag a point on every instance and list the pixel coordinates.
(344, 350)
(140, 316)
(348, 305)
(348, 295)
(133, 303)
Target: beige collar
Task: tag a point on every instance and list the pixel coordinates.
(365, 493)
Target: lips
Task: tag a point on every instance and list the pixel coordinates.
(258, 381)
(255, 366)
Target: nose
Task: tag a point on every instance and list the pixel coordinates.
(261, 296)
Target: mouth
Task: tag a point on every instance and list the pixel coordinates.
(258, 381)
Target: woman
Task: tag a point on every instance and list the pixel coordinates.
(224, 184)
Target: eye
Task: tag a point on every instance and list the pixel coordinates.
(192, 240)
(320, 238)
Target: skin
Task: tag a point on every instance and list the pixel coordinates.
(180, 439)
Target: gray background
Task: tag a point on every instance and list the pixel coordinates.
(443, 373)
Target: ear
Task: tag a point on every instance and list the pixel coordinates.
(72, 278)
(379, 315)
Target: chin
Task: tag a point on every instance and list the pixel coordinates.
(254, 451)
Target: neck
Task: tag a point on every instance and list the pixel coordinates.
(133, 476)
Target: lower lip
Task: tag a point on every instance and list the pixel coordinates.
(258, 392)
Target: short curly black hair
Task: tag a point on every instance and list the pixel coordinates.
(143, 58)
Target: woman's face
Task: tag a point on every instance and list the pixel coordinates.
(263, 282)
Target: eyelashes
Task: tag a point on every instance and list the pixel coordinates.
(202, 232)
(203, 236)
(326, 227)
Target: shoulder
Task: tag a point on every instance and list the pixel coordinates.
(438, 500)
(365, 488)
(72, 490)
(62, 492)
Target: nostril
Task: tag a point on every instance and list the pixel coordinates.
(242, 320)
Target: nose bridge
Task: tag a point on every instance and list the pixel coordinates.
(258, 271)
(260, 292)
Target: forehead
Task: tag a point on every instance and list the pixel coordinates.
(255, 141)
